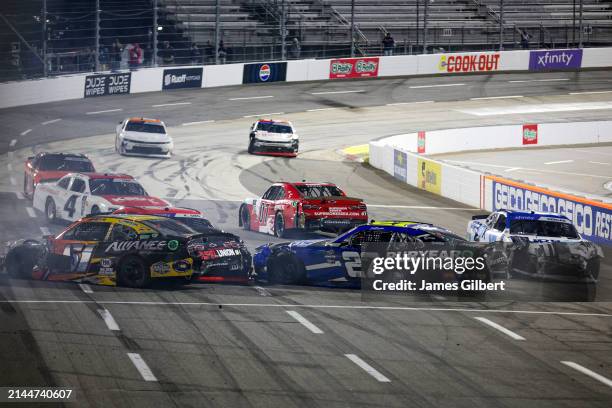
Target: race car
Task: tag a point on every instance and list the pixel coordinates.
(143, 137)
(128, 250)
(273, 137)
(48, 167)
(338, 261)
(78, 194)
(543, 245)
(302, 206)
(223, 257)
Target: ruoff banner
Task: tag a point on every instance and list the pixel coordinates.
(107, 84)
(555, 59)
(182, 78)
(353, 68)
(477, 62)
(264, 72)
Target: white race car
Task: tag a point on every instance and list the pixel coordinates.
(143, 137)
(78, 194)
(273, 137)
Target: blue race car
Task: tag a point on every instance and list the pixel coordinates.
(337, 261)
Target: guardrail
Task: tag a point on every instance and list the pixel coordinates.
(159, 79)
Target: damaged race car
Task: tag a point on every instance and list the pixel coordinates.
(286, 207)
(274, 138)
(50, 167)
(192, 218)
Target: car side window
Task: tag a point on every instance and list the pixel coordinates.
(78, 186)
(500, 224)
(88, 231)
(491, 220)
(280, 194)
(269, 195)
(123, 233)
(63, 183)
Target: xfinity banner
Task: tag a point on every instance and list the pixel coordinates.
(107, 84)
(272, 72)
(592, 219)
(555, 59)
(182, 78)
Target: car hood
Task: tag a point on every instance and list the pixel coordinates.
(308, 243)
(44, 175)
(147, 137)
(136, 201)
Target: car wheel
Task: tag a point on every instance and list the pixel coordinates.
(133, 272)
(25, 185)
(50, 210)
(18, 266)
(245, 217)
(95, 210)
(286, 269)
(279, 225)
(592, 268)
(251, 146)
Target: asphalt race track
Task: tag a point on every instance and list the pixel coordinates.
(252, 346)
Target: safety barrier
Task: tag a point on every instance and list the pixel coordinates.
(159, 79)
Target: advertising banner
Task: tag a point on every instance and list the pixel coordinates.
(264, 72)
(555, 59)
(182, 78)
(421, 142)
(478, 62)
(592, 219)
(353, 68)
(107, 84)
(400, 171)
(530, 134)
(429, 176)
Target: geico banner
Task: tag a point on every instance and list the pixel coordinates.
(592, 219)
(478, 62)
(353, 67)
(107, 84)
(182, 78)
(264, 72)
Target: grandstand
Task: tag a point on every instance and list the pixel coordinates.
(251, 29)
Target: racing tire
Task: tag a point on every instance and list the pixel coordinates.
(18, 266)
(133, 272)
(286, 269)
(592, 268)
(244, 218)
(279, 226)
(251, 149)
(50, 211)
(25, 187)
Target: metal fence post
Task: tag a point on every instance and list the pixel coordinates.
(417, 24)
(283, 34)
(97, 54)
(501, 25)
(580, 27)
(155, 31)
(425, 15)
(217, 18)
(44, 37)
(352, 28)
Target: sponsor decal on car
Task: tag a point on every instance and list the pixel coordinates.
(107, 84)
(182, 78)
(555, 59)
(181, 266)
(479, 62)
(106, 262)
(530, 134)
(353, 68)
(160, 268)
(124, 246)
(106, 271)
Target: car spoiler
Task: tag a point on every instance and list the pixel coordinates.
(480, 216)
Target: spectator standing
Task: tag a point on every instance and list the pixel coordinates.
(388, 44)
(196, 54)
(209, 52)
(222, 53)
(136, 56)
(525, 40)
(296, 49)
(167, 53)
(115, 56)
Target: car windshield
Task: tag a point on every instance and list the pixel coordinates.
(63, 163)
(317, 191)
(554, 229)
(145, 127)
(274, 127)
(170, 227)
(119, 187)
(197, 224)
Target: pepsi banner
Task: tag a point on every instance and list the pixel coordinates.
(555, 59)
(592, 219)
(264, 72)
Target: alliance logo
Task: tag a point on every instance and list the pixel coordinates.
(264, 72)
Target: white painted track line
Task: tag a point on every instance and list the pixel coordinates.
(161, 105)
(589, 92)
(30, 212)
(262, 291)
(45, 231)
(539, 80)
(85, 288)
(433, 86)
(109, 320)
(513, 169)
(142, 367)
(559, 162)
(103, 111)
(367, 368)
(48, 122)
(19, 195)
(304, 322)
(337, 92)
(321, 109)
(25, 132)
(201, 122)
(485, 98)
(501, 328)
(588, 372)
(419, 207)
(246, 98)
(602, 163)
(408, 103)
(263, 114)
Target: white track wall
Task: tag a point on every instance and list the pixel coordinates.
(150, 79)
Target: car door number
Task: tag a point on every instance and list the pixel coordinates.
(80, 255)
(352, 263)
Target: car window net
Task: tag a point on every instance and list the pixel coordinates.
(308, 191)
(543, 228)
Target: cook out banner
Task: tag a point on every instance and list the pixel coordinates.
(475, 62)
(592, 219)
(353, 68)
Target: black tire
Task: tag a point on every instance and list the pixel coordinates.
(50, 211)
(279, 225)
(251, 146)
(593, 268)
(133, 272)
(25, 186)
(18, 266)
(95, 210)
(244, 217)
(286, 269)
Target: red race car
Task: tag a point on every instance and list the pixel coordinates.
(302, 206)
(51, 167)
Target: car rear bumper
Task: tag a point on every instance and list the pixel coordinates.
(333, 224)
(275, 148)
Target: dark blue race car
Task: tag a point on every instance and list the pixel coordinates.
(337, 261)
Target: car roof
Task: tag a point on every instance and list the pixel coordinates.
(531, 215)
(157, 211)
(61, 154)
(280, 121)
(96, 176)
(119, 217)
(303, 183)
(411, 229)
(145, 120)
(398, 223)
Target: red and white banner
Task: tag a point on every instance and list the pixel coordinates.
(477, 62)
(353, 68)
(421, 142)
(530, 134)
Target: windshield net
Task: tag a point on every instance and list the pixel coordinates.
(543, 228)
(274, 127)
(314, 191)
